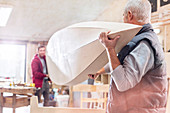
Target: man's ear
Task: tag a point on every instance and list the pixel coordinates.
(130, 16)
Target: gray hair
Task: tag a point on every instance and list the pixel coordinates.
(141, 9)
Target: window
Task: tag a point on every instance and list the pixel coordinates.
(12, 62)
(154, 5)
(164, 2)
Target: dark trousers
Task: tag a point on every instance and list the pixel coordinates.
(46, 97)
(44, 90)
(38, 94)
(45, 93)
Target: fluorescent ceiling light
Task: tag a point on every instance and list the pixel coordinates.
(4, 15)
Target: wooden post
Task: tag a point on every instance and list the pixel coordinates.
(105, 97)
(14, 103)
(1, 102)
(71, 96)
(104, 79)
(165, 39)
(81, 97)
(109, 78)
(34, 104)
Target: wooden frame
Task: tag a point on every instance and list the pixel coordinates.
(92, 88)
(36, 109)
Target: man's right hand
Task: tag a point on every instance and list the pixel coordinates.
(47, 75)
(93, 76)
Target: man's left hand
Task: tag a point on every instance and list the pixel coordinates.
(109, 43)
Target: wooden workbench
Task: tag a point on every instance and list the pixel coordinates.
(16, 100)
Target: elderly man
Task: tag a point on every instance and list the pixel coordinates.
(138, 72)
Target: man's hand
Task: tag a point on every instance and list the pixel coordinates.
(109, 43)
(93, 76)
(47, 75)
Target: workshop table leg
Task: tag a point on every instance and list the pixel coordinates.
(14, 103)
(1, 103)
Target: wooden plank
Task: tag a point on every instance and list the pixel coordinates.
(162, 15)
(94, 100)
(9, 105)
(84, 88)
(35, 109)
(20, 101)
(87, 54)
(102, 88)
(91, 88)
(165, 7)
(17, 90)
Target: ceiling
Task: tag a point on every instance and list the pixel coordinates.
(37, 20)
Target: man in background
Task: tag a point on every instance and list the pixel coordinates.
(40, 74)
(138, 72)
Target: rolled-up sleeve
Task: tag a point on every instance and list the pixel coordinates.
(135, 66)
